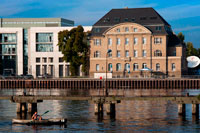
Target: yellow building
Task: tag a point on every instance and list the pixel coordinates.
(135, 42)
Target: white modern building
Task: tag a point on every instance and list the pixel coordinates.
(29, 46)
(43, 52)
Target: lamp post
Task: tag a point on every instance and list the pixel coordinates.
(109, 50)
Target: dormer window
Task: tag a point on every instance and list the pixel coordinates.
(126, 19)
(158, 28)
(106, 20)
(143, 18)
(153, 18)
(117, 19)
(118, 30)
(135, 29)
(97, 30)
(126, 29)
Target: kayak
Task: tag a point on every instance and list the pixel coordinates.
(52, 121)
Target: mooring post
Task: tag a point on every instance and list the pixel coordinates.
(181, 109)
(32, 107)
(18, 107)
(195, 109)
(21, 107)
(98, 108)
(110, 108)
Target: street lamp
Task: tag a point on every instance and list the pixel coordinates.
(109, 50)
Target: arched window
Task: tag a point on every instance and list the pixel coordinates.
(144, 65)
(110, 67)
(127, 67)
(157, 67)
(118, 67)
(135, 67)
(97, 54)
(157, 53)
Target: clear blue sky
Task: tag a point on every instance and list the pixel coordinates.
(182, 15)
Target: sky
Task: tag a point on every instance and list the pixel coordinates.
(182, 15)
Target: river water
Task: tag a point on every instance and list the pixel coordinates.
(138, 116)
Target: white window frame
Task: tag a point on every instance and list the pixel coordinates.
(127, 53)
(135, 66)
(144, 53)
(135, 53)
(109, 41)
(118, 53)
(135, 41)
(97, 67)
(118, 41)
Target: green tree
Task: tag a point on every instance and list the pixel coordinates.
(74, 47)
(181, 37)
(191, 51)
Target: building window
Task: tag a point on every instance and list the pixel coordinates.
(97, 67)
(37, 70)
(144, 53)
(37, 60)
(60, 70)
(97, 30)
(157, 67)
(135, 67)
(158, 28)
(97, 42)
(126, 53)
(126, 19)
(110, 54)
(44, 47)
(157, 40)
(126, 29)
(116, 19)
(109, 41)
(8, 48)
(173, 67)
(135, 41)
(126, 41)
(110, 67)
(127, 67)
(44, 60)
(157, 53)
(118, 30)
(118, 41)
(118, 67)
(135, 53)
(135, 30)
(8, 37)
(118, 53)
(44, 69)
(60, 59)
(51, 59)
(144, 40)
(97, 54)
(44, 37)
(144, 65)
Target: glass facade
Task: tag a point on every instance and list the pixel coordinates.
(44, 47)
(44, 42)
(25, 51)
(8, 53)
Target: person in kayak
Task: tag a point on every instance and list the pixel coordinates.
(36, 116)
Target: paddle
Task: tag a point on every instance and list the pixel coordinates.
(45, 113)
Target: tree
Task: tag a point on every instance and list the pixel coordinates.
(74, 47)
(181, 37)
(191, 51)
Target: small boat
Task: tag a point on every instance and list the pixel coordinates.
(53, 121)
